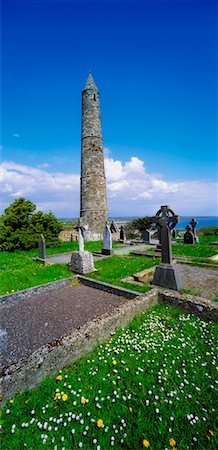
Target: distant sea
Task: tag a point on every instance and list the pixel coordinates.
(203, 221)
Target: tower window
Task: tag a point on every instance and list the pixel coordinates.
(94, 96)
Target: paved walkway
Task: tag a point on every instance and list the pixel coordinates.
(64, 258)
(126, 250)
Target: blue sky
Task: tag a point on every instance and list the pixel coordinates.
(154, 63)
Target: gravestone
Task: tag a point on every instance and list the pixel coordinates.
(122, 234)
(173, 234)
(107, 241)
(188, 236)
(81, 239)
(146, 236)
(193, 224)
(71, 238)
(166, 274)
(114, 227)
(42, 247)
(158, 247)
(82, 261)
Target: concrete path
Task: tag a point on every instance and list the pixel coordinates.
(64, 258)
(128, 249)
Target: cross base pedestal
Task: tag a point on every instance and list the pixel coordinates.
(82, 262)
(167, 276)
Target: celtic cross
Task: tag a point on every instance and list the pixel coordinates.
(193, 224)
(165, 219)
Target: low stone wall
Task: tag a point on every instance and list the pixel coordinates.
(205, 309)
(65, 350)
(30, 371)
(26, 293)
(126, 293)
(67, 235)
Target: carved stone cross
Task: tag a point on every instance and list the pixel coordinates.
(165, 219)
(166, 274)
(193, 224)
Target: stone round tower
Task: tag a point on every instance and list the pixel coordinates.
(93, 198)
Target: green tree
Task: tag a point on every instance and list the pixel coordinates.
(20, 227)
(135, 228)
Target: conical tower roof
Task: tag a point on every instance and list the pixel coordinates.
(90, 84)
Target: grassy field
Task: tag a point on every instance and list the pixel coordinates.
(201, 250)
(205, 239)
(113, 269)
(152, 385)
(18, 270)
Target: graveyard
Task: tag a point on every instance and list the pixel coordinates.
(101, 339)
(109, 328)
(104, 354)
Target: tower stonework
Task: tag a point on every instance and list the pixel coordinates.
(93, 198)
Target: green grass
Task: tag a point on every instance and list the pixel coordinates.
(18, 271)
(189, 291)
(112, 270)
(72, 246)
(153, 381)
(202, 250)
(208, 239)
(196, 250)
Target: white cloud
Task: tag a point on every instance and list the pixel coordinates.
(135, 165)
(131, 190)
(16, 135)
(43, 166)
(113, 169)
(161, 185)
(50, 190)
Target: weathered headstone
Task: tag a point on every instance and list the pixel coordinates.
(107, 241)
(166, 274)
(193, 224)
(122, 234)
(71, 238)
(159, 247)
(146, 236)
(188, 236)
(42, 247)
(81, 240)
(114, 227)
